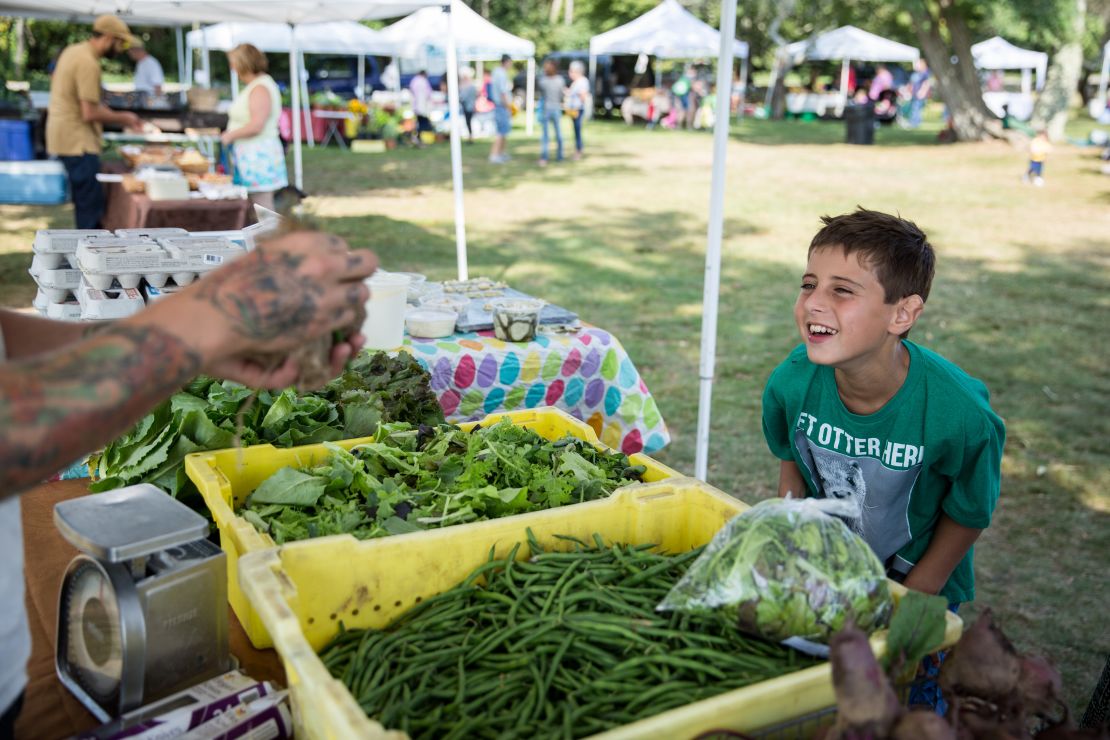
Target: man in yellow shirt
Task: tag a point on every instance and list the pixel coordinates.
(73, 124)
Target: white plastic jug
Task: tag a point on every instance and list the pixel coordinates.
(384, 327)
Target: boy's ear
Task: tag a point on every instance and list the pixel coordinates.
(906, 313)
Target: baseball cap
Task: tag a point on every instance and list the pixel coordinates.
(111, 25)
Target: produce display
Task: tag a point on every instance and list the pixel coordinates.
(210, 415)
(992, 692)
(562, 645)
(412, 478)
(785, 568)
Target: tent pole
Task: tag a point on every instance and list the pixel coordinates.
(189, 61)
(743, 87)
(205, 62)
(310, 131)
(530, 97)
(362, 77)
(179, 34)
(234, 85)
(397, 78)
(713, 246)
(295, 108)
(845, 67)
(1026, 81)
(456, 146)
(1104, 75)
(594, 89)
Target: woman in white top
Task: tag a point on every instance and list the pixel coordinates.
(257, 156)
(578, 102)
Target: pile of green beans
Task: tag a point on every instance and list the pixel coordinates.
(562, 645)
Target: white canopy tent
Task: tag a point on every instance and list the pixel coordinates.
(476, 40)
(998, 53)
(290, 12)
(849, 43)
(667, 31)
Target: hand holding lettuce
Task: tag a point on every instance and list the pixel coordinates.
(787, 569)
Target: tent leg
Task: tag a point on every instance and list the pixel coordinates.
(295, 106)
(361, 77)
(713, 246)
(456, 146)
(205, 63)
(845, 67)
(188, 81)
(530, 97)
(310, 132)
(594, 88)
(1026, 82)
(234, 85)
(179, 35)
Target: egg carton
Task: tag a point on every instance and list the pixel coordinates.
(41, 302)
(68, 311)
(153, 234)
(98, 305)
(61, 279)
(41, 262)
(156, 294)
(52, 245)
(45, 296)
(127, 260)
(206, 253)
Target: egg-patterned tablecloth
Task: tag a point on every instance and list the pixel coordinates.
(588, 375)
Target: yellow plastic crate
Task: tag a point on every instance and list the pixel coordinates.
(301, 591)
(226, 477)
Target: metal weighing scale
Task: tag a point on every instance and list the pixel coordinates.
(143, 610)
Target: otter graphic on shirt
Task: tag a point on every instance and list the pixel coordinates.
(876, 475)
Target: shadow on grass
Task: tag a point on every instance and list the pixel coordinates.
(19, 286)
(825, 132)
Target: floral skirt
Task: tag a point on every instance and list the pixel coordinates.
(259, 164)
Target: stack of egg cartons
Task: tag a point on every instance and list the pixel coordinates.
(113, 268)
(54, 269)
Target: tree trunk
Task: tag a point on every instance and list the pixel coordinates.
(956, 83)
(1051, 111)
(553, 16)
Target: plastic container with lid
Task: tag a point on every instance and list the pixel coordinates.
(384, 327)
(446, 302)
(516, 319)
(431, 323)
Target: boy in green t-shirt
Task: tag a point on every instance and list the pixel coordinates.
(859, 412)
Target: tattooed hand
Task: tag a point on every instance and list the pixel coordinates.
(289, 291)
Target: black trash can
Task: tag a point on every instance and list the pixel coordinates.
(859, 123)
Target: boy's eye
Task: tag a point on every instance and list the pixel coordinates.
(844, 291)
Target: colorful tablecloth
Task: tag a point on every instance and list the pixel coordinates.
(588, 374)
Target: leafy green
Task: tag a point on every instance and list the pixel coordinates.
(916, 629)
(409, 478)
(787, 569)
(206, 413)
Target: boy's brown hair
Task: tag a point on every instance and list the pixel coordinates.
(898, 251)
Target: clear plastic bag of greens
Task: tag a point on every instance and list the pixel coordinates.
(787, 568)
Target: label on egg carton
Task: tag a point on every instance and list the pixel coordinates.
(63, 241)
(206, 253)
(97, 305)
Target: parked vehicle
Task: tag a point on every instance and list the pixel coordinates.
(339, 74)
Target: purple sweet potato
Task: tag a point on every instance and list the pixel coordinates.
(866, 703)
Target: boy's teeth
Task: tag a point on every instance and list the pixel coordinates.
(819, 329)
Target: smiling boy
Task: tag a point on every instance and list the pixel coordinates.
(859, 412)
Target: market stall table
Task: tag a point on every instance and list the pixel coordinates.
(126, 210)
(49, 710)
(589, 375)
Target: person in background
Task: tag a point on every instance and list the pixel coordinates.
(995, 81)
(421, 90)
(882, 82)
(680, 90)
(552, 89)
(1039, 149)
(66, 390)
(257, 157)
(76, 116)
(501, 95)
(149, 77)
(391, 77)
(468, 99)
(921, 85)
(578, 102)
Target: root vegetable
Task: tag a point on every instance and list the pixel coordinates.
(866, 704)
(922, 724)
(1039, 685)
(983, 663)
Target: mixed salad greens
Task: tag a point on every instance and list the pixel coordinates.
(418, 477)
(207, 415)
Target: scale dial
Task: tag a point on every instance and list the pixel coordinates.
(94, 642)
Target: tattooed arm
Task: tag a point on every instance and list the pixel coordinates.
(56, 406)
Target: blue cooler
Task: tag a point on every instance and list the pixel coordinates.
(38, 182)
(15, 140)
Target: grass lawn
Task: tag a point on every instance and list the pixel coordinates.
(1020, 300)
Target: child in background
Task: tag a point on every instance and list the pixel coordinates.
(1039, 149)
(858, 412)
